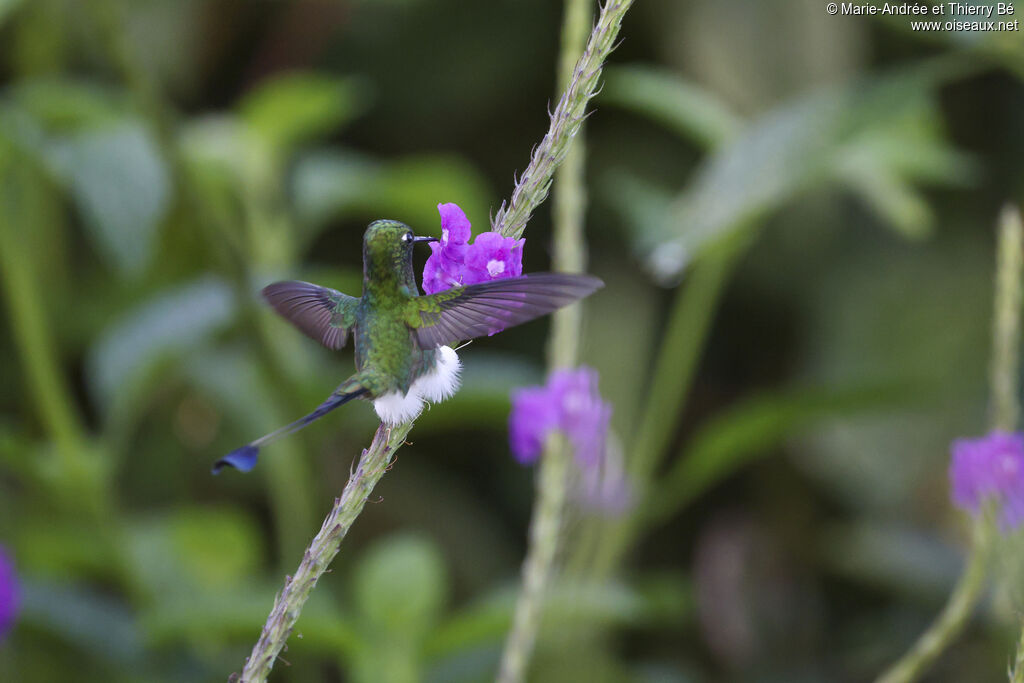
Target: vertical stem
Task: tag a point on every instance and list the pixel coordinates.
(681, 346)
(1004, 409)
(36, 348)
(951, 621)
(569, 203)
(1005, 366)
(545, 529)
(1017, 675)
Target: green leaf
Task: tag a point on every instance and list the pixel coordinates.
(795, 148)
(401, 585)
(192, 551)
(231, 614)
(65, 106)
(121, 187)
(569, 603)
(6, 7)
(897, 558)
(291, 109)
(169, 324)
(682, 107)
(328, 185)
(92, 622)
(752, 430)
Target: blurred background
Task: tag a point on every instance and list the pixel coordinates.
(794, 214)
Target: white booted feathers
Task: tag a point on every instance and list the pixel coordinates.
(440, 383)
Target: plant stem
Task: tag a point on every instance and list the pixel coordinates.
(533, 184)
(545, 529)
(680, 350)
(951, 620)
(563, 348)
(372, 465)
(27, 311)
(1005, 366)
(1017, 675)
(1004, 385)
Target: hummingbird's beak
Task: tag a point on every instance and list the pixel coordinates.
(425, 239)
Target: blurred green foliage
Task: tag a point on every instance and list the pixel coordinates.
(793, 213)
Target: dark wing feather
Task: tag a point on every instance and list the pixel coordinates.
(482, 309)
(324, 314)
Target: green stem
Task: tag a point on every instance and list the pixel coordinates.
(951, 620)
(1005, 408)
(27, 311)
(1005, 367)
(681, 348)
(372, 465)
(569, 204)
(533, 185)
(545, 529)
(1017, 675)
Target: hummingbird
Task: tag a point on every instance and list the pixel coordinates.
(403, 352)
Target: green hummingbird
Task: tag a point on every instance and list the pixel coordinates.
(402, 338)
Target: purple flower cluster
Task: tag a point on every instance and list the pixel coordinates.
(454, 261)
(8, 593)
(990, 469)
(571, 404)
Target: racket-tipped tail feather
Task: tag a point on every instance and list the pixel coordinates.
(244, 459)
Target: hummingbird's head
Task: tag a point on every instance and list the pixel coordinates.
(387, 246)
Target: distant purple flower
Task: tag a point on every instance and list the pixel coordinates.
(8, 593)
(569, 404)
(534, 416)
(453, 261)
(990, 468)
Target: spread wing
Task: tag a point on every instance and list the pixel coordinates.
(476, 310)
(324, 314)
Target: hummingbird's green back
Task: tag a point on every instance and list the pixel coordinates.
(387, 355)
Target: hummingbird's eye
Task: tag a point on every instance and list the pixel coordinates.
(407, 237)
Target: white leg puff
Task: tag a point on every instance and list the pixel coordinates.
(440, 383)
(443, 380)
(393, 408)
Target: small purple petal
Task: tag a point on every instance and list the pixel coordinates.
(453, 261)
(990, 468)
(8, 593)
(532, 419)
(492, 257)
(583, 416)
(455, 227)
(570, 403)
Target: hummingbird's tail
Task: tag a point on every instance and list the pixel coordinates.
(244, 458)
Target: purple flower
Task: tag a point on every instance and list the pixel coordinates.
(570, 404)
(533, 417)
(8, 593)
(492, 257)
(453, 261)
(990, 469)
(583, 416)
